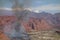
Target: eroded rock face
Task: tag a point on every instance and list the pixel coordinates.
(9, 29)
(32, 24)
(37, 24)
(37, 21)
(3, 36)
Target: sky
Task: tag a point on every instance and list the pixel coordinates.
(52, 6)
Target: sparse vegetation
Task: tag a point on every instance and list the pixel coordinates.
(44, 35)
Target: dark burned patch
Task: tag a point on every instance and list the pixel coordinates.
(58, 32)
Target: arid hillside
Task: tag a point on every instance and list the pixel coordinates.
(37, 24)
(32, 24)
(36, 21)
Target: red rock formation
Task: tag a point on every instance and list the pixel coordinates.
(33, 24)
(3, 36)
(37, 24)
(6, 19)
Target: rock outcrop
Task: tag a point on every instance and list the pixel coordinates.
(37, 24)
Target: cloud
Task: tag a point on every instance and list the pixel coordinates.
(49, 7)
(5, 9)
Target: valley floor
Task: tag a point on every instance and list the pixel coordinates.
(43, 35)
(38, 35)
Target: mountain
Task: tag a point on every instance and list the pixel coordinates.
(43, 20)
(6, 12)
(57, 16)
(46, 18)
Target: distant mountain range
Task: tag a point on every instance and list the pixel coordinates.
(51, 19)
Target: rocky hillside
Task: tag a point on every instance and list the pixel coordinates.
(57, 17)
(35, 21)
(37, 24)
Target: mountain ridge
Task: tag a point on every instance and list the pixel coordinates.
(50, 18)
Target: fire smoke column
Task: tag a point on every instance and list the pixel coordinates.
(19, 28)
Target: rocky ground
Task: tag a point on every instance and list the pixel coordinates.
(43, 35)
(37, 35)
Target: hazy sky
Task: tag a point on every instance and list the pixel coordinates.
(46, 5)
(39, 5)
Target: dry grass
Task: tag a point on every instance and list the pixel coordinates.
(39, 35)
(44, 35)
